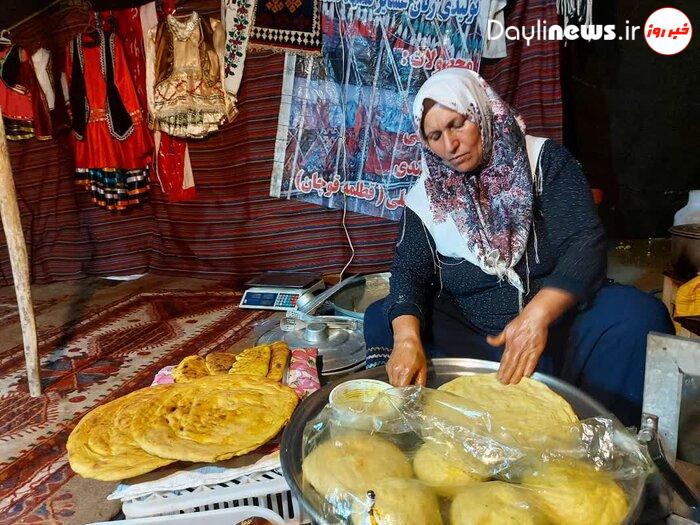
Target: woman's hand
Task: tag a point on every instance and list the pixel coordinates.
(525, 338)
(407, 364)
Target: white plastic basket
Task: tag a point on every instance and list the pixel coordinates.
(265, 489)
(214, 517)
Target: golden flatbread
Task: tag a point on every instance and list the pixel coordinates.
(278, 361)
(253, 361)
(213, 418)
(445, 470)
(191, 367)
(496, 503)
(572, 492)
(101, 446)
(219, 362)
(353, 463)
(400, 501)
(528, 413)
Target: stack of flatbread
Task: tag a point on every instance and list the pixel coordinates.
(260, 361)
(207, 418)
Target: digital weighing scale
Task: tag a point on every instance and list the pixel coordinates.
(281, 290)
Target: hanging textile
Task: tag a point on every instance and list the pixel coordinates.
(287, 25)
(529, 77)
(187, 98)
(576, 11)
(25, 111)
(113, 147)
(237, 16)
(41, 60)
(172, 159)
(345, 135)
(127, 25)
(174, 168)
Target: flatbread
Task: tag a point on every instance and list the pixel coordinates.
(219, 362)
(445, 470)
(278, 361)
(527, 413)
(572, 492)
(496, 503)
(353, 463)
(213, 418)
(400, 501)
(191, 367)
(253, 361)
(101, 446)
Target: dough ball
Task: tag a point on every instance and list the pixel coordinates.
(445, 470)
(574, 493)
(400, 501)
(496, 503)
(353, 463)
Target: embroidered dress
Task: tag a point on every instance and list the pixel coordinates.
(187, 98)
(113, 147)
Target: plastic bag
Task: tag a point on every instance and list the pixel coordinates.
(417, 455)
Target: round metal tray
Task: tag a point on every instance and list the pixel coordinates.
(441, 371)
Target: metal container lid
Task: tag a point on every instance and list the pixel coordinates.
(691, 231)
(342, 350)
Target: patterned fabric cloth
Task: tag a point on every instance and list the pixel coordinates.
(491, 207)
(287, 25)
(238, 15)
(302, 375)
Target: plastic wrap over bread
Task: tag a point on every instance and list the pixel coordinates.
(473, 451)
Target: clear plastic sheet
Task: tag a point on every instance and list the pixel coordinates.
(417, 455)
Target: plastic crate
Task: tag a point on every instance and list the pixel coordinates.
(266, 489)
(213, 517)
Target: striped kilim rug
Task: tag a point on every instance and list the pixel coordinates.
(103, 356)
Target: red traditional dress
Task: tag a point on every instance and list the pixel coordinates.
(24, 109)
(113, 146)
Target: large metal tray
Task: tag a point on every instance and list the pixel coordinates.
(441, 371)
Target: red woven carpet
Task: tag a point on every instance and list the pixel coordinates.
(103, 356)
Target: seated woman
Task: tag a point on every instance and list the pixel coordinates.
(502, 257)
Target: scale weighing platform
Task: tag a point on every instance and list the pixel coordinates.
(281, 290)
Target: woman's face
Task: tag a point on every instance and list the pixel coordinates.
(454, 138)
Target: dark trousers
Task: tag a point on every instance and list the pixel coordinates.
(600, 349)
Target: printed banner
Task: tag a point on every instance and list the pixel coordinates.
(345, 134)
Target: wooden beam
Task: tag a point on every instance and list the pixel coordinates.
(9, 210)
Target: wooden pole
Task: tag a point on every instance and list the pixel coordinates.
(9, 210)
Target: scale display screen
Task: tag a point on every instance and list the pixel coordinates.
(270, 299)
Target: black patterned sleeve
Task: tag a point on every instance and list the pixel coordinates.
(413, 271)
(573, 225)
